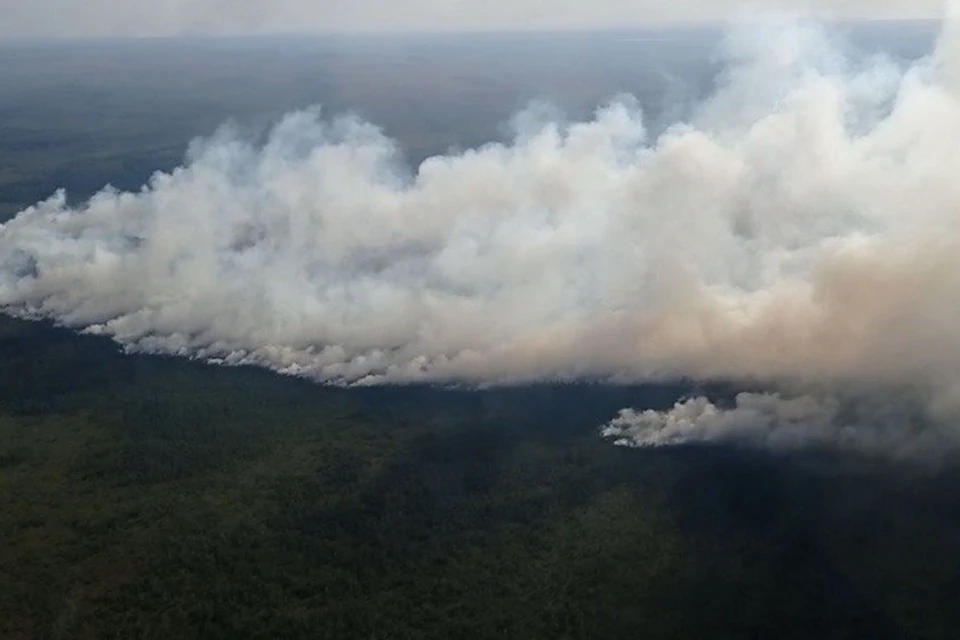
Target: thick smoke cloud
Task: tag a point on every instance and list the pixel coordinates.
(802, 226)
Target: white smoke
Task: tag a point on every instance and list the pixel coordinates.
(771, 421)
(804, 225)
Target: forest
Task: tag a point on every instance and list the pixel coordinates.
(151, 497)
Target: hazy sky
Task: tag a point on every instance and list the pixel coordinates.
(29, 18)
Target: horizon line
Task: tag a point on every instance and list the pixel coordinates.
(658, 26)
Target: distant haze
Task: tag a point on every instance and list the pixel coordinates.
(69, 18)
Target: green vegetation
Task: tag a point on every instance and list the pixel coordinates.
(148, 497)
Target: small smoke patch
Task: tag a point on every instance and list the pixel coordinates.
(893, 426)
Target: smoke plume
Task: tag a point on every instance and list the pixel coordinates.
(871, 426)
(803, 225)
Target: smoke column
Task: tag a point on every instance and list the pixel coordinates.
(803, 225)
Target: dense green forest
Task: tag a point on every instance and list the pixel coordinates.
(149, 497)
